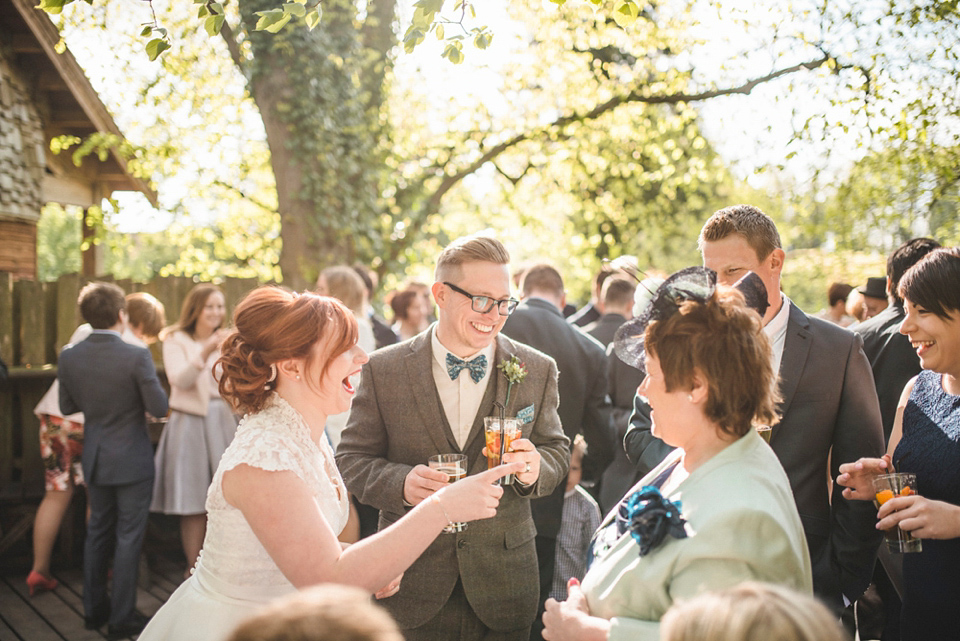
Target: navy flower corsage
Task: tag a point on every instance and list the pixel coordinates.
(650, 518)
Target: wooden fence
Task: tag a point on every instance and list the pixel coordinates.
(36, 321)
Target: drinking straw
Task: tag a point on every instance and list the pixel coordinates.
(503, 430)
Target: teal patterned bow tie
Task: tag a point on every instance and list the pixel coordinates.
(477, 367)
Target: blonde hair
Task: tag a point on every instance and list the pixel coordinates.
(148, 314)
(344, 284)
(321, 613)
(468, 249)
(751, 611)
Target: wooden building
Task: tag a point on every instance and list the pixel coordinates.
(44, 94)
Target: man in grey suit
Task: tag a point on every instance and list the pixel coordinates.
(829, 411)
(429, 395)
(584, 406)
(114, 384)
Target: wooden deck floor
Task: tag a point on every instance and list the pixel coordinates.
(58, 615)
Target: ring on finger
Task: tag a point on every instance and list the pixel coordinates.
(526, 470)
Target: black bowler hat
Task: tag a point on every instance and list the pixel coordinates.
(875, 287)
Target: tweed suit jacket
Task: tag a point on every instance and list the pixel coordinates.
(114, 384)
(829, 412)
(397, 422)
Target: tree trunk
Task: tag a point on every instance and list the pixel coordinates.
(323, 132)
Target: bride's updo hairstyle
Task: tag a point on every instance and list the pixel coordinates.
(723, 339)
(273, 324)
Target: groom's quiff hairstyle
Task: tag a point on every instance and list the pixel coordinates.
(748, 221)
(469, 249)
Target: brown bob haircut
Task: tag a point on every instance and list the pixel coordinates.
(934, 282)
(273, 324)
(147, 313)
(723, 340)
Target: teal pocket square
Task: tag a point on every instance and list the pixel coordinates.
(526, 415)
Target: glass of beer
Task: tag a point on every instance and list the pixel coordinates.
(886, 487)
(455, 467)
(491, 433)
(764, 431)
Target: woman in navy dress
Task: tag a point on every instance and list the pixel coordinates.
(926, 442)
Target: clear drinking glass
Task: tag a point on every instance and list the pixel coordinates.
(455, 467)
(885, 488)
(491, 434)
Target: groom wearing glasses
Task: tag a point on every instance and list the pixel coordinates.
(429, 395)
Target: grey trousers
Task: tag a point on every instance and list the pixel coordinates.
(456, 621)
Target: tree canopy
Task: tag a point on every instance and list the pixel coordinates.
(590, 130)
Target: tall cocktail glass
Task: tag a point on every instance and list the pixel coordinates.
(491, 433)
(886, 487)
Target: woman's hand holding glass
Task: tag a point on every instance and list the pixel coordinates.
(857, 477)
(922, 517)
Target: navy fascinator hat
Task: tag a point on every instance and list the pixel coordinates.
(691, 284)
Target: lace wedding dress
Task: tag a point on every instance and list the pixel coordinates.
(234, 574)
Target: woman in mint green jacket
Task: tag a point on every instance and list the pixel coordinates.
(718, 510)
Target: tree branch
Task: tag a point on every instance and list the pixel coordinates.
(226, 32)
(432, 204)
(242, 194)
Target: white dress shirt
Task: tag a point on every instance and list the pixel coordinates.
(776, 331)
(460, 398)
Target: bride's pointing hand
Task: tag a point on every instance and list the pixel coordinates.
(476, 497)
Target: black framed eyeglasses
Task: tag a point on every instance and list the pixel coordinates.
(483, 304)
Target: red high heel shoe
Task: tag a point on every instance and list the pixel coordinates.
(39, 583)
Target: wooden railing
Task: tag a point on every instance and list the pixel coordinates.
(36, 321)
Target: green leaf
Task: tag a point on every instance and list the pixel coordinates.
(213, 24)
(439, 32)
(313, 18)
(203, 11)
(483, 40)
(146, 31)
(53, 7)
(292, 8)
(454, 53)
(273, 20)
(156, 46)
(412, 38)
(625, 13)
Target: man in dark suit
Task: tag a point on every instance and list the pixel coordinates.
(617, 297)
(829, 410)
(429, 395)
(114, 384)
(584, 407)
(894, 362)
